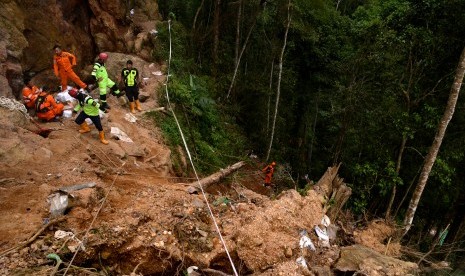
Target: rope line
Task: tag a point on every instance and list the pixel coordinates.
(92, 223)
(190, 157)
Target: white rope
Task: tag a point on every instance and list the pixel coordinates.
(190, 157)
(12, 104)
(84, 239)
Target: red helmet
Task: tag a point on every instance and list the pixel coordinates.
(103, 56)
(73, 92)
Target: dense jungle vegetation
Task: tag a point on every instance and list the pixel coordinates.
(361, 82)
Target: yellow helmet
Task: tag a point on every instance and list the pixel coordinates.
(273, 163)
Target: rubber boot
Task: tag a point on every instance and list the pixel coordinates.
(101, 134)
(138, 106)
(84, 128)
(131, 106)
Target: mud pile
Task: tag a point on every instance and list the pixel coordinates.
(148, 224)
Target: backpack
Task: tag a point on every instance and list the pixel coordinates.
(39, 101)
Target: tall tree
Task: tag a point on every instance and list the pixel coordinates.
(216, 35)
(238, 33)
(278, 90)
(434, 149)
(244, 46)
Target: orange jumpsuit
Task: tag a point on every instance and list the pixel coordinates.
(62, 65)
(30, 95)
(269, 170)
(49, 108)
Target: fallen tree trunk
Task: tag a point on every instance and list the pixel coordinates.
(335, 191)
(214, 178)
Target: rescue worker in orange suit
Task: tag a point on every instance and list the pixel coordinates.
(269, 170)
(30, 93)
(63, 63)
(47, 109)
(90, 109)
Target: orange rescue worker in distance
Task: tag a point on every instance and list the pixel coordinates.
(269, 170)
(63, 63)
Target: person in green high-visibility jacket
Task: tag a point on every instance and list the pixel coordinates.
(90, 109)
(99, 72)
(131, 80)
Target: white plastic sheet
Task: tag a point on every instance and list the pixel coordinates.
(58, 204)
(64, 97)
(325, 221)
(60, 234)
(301, 261)
(118, 133)
(321, 233)
(130, 118)
(305, 241)
(67, 113)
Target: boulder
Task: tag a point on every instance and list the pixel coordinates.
(143, 96)
(26, 39)
(5, 90)
(361, 259)
(117, 150)
(132, 149)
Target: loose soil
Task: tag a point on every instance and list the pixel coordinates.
(149, 223)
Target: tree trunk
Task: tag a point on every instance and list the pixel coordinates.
(241, 53)
(398, 163)
(269, 100)
(406, 192)
(433, 152)
(457, 218)
(216, 35)
(238, 33)
(310, 153)
(278, 90)
(335, 191)
(197, 15)
(337, 4)
(215, 178)
(239, 60)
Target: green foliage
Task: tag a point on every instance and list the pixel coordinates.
(357, 80)
(211, 135)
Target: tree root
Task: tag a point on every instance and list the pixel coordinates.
(31, 239)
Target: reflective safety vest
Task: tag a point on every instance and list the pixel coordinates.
(87, 104)
(129, 76)
(40, 103)
(99, 71)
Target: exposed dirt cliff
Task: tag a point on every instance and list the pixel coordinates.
(29, 29)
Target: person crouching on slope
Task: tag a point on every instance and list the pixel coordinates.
(63, 63)
(47, 109)
(90, 109)
(30, 94)
(100, 75)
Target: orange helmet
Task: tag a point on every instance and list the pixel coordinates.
(273, 163)
(103, 56)
(73, 92)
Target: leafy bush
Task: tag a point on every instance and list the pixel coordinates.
(211, 135)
